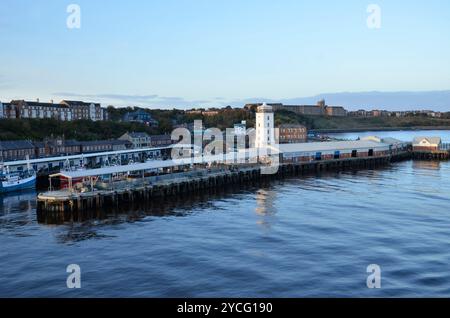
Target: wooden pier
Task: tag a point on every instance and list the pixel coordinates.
(431, 155)
(72, 202)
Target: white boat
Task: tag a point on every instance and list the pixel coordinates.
(17, 181)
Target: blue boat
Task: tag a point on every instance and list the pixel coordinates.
(17, 181)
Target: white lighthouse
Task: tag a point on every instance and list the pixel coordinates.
(265, 132)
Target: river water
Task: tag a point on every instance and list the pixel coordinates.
(300, 237)
(403, 135)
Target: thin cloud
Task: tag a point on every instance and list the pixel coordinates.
(171, 99)
(152, 100)
(121, 97)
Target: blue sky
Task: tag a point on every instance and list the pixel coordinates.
(175, 53)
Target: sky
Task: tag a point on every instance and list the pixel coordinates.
(192, 53)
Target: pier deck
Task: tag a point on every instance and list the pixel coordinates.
(142, 190)
(432, 155)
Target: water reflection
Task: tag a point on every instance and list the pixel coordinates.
(426, 165)
(186, 204)
(179, 206)
(265, 199)
(20, 201)
(80, 226)
(281, 239)
(406, 135)
(17, 211)
(265, 206)
(77, 232)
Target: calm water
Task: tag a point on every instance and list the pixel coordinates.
(309, 236)
(401, 135)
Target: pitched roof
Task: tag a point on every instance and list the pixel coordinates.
(77, 103)
(119, 142)
(138, 115)
(38, 104)
(372, 138)
(391, 141)
(72, 142)
(95, 142)
(291, 126)
(431, 140)
(138, 135)
(161, 137)
(16, 144)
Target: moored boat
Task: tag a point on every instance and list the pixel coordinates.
(17, 181)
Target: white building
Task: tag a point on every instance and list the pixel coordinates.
(265, 131)
(65, 110)
(138, 139)
(241, 128)
(27, 109)
(84, 110)
(427, 143)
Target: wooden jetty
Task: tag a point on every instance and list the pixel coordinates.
(146, 189)
(431, 155)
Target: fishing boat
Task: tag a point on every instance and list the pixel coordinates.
(16, 181)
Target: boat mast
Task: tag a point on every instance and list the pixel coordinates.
(28, 162)
(2, 166)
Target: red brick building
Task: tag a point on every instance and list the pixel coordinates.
(292, 134)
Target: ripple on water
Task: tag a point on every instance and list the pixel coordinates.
(301, 237)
